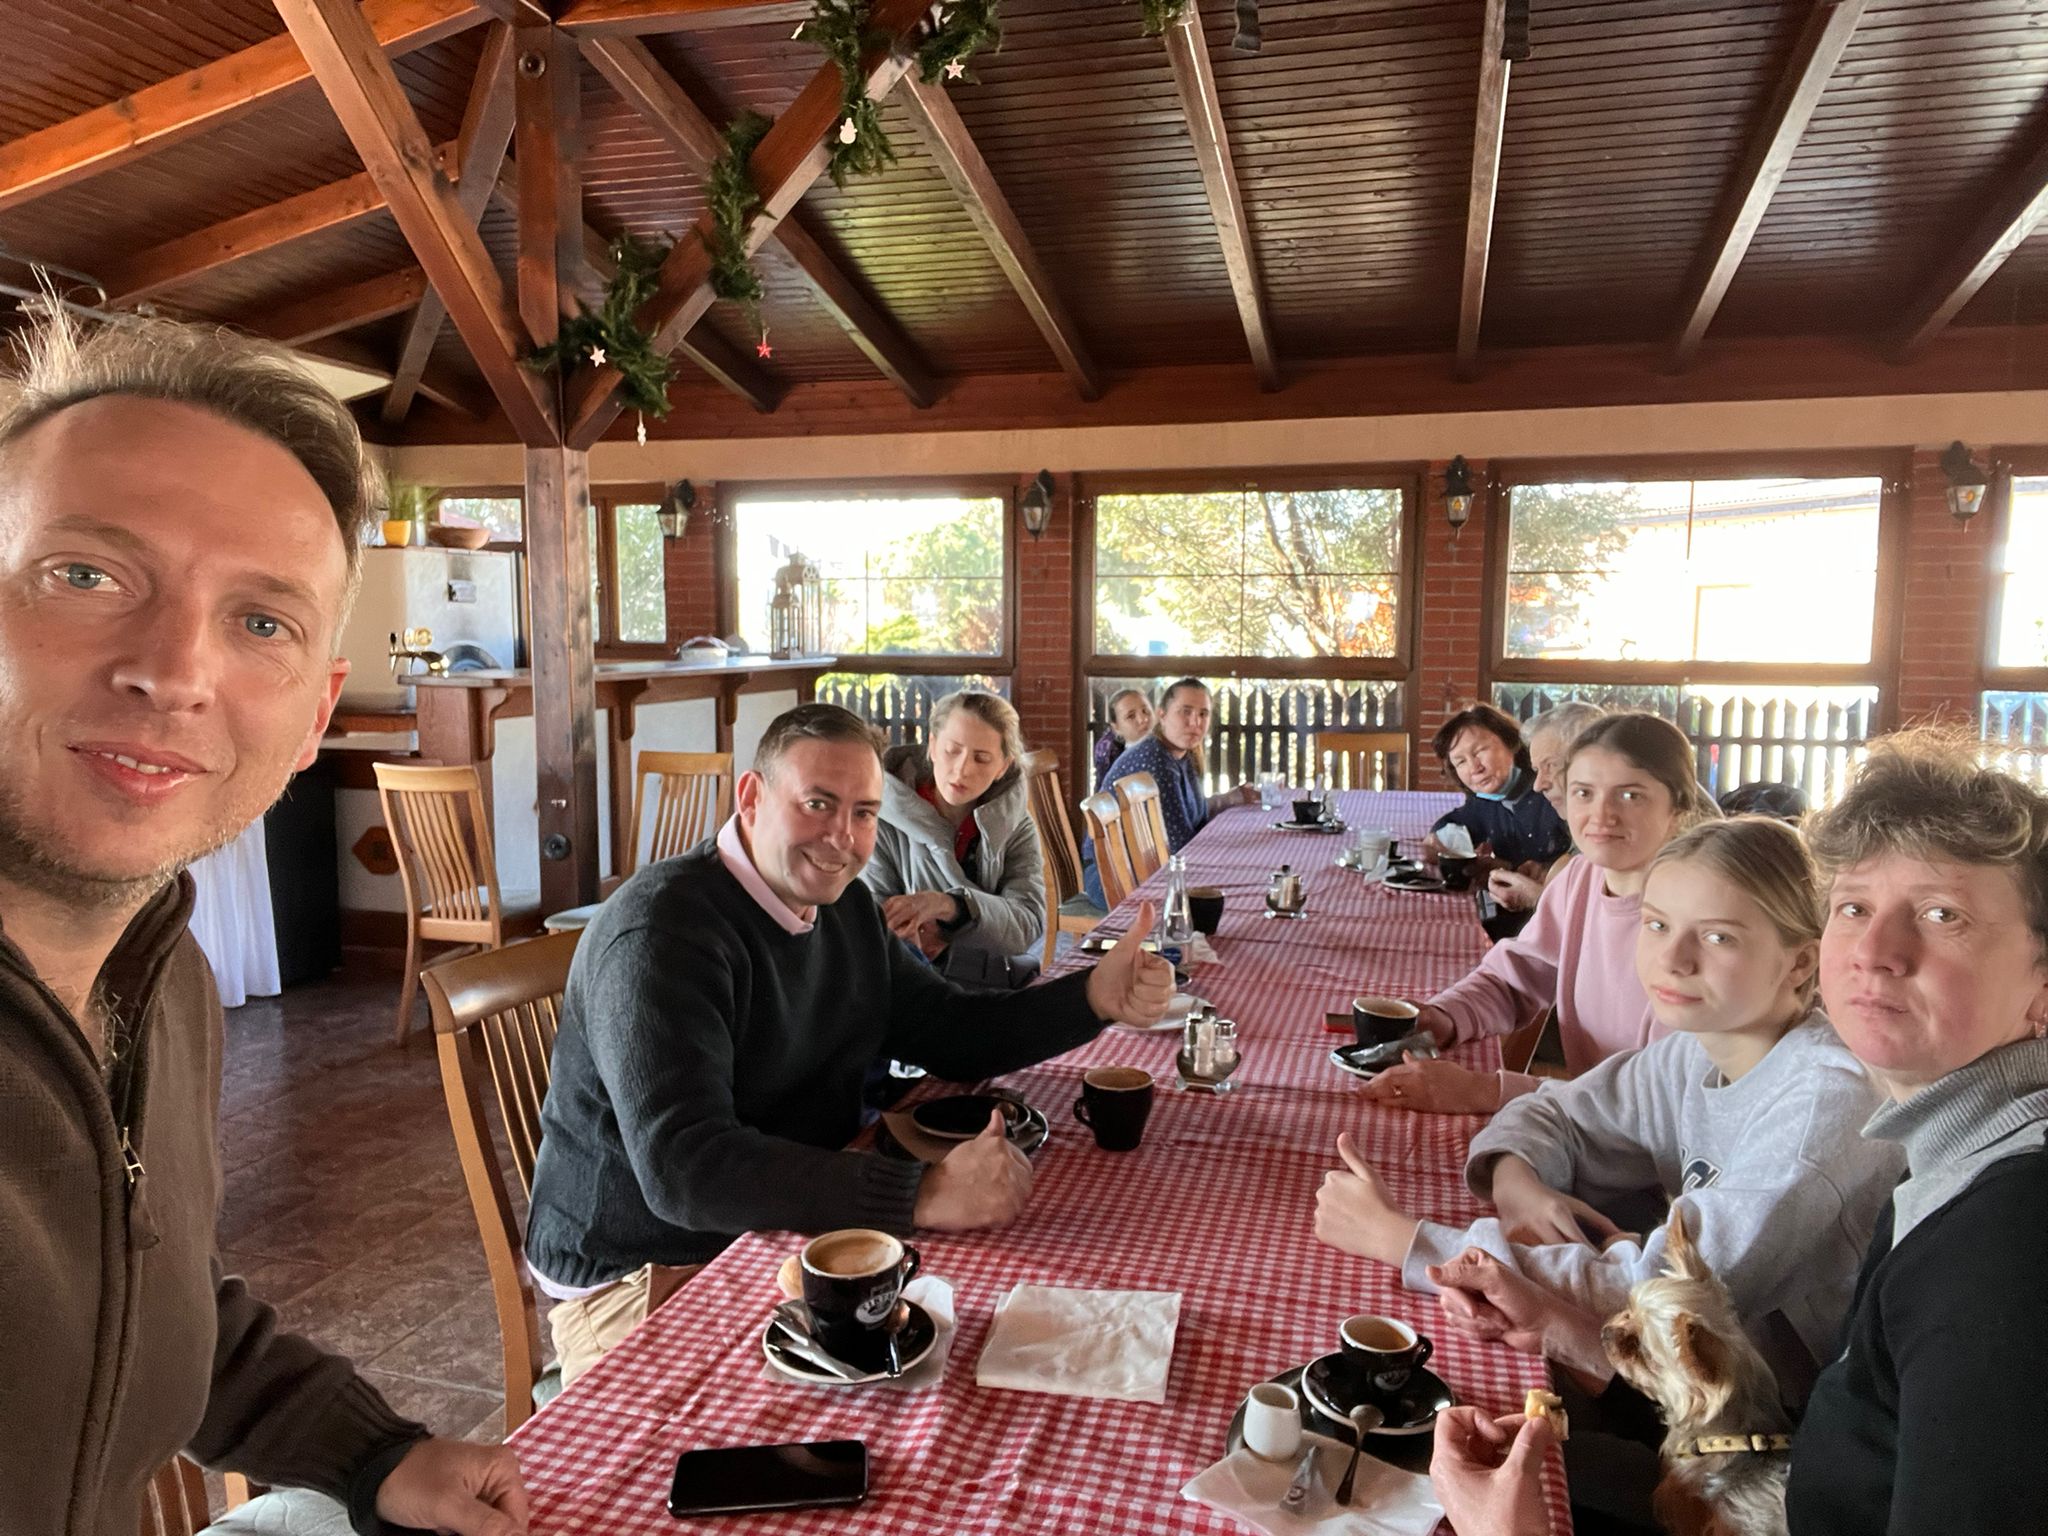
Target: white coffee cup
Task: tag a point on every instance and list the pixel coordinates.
(1272, 1421)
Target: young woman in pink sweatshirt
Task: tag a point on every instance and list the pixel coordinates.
(1629, 789)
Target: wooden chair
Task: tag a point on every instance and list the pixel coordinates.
(1068, 909)
(442, 836)
(175, 1504)
(1357, 749)
(1104, 814)
(495, 1018)
(692, 799)
(1144, 826)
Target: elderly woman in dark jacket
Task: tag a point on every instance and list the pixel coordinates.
(956, 859)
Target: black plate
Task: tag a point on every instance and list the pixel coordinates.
(919, 1334)
(1026, 1135)
(1371, 1060)
(963, 1116)
(1333, 1386)
(1413, 880)
(1308, 826)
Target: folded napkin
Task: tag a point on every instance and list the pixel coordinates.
(936, 1297)
(1454, 840)
(1198, 951)
(1116, 1344)
(1385, 1501)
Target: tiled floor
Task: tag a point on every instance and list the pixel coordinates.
(344, 1203)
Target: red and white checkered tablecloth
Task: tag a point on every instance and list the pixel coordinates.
(1216, 1204)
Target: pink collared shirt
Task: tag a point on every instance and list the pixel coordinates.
(732, 852)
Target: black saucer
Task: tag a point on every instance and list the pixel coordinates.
(1413, 879)
(1026, 1135)
(1334, 1385)
(919, 1334)
(964, 1116)
(1371, 1060)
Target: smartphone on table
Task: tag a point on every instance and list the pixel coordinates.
(735, 1479)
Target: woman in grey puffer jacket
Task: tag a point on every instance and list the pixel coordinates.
(956, 858)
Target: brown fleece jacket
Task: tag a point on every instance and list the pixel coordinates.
(125, 1344)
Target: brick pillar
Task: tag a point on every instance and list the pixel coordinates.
(1947, 603)
(1449, 640)
(1044, 683)
(690, 573)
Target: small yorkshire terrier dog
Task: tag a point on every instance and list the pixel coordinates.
(1727, 1437)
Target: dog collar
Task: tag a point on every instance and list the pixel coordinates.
(1718, 1445)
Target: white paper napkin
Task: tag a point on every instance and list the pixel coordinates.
(1385, 1501)
(1455, 840)
(1116, 1344)
(936, 1297)
(1198, 951)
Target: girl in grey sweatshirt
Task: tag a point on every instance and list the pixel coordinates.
(1749, 1112)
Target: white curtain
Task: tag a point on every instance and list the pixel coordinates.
(232, 921)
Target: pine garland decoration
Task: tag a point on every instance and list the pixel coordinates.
(967, 27)
(730, 194)
(840, 28)
(1161, 14)
(612, 335)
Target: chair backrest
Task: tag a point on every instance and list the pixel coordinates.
(692, 798)
(175, 1504)
(495, 1019)
(1105, 817)
(1144, 826)
(1060, 853)
(1361, 752)
(442, 836)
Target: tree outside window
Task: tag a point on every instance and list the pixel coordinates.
(1248, 572)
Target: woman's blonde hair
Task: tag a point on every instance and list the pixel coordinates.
(1928, 794)
(1658, 748)
(1763, 858)
(991, 709)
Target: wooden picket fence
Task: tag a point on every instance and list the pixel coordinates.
(1806, 737)
(900, 704)
(1268, 725)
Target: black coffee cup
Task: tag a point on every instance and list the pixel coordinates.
(1456, 873)
(1205, 908)
(1115, 1103)
(1382, 1020)
(1386, 1350)
(1308, 812)
(852, 1281)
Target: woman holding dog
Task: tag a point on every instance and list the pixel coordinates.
(1629, 789)
(1934, 968)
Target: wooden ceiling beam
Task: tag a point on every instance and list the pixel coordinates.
(725, 364)
(342, 50)
(959, 158)
(1819, 49)
(659, 98)
(517, 13)
(784, 165)
(333, 311)
(485, 135)
(550, 131)
(628, 18)
(1489, 134)
(2013, 213)
(172, 110)
(338, 205)
(1188, 51)
(467, 396)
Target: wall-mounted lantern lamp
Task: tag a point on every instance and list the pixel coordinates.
(677, 502)
(1035, 504)
(1458, 491)
(1968, 482)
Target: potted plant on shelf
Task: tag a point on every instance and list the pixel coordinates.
(407, 512)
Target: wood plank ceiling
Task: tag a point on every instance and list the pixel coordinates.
(1630, 136)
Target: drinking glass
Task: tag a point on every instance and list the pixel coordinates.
(1272, 791)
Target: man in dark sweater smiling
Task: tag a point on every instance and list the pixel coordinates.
(720, 1016)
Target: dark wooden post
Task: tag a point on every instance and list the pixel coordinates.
(564, 682)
